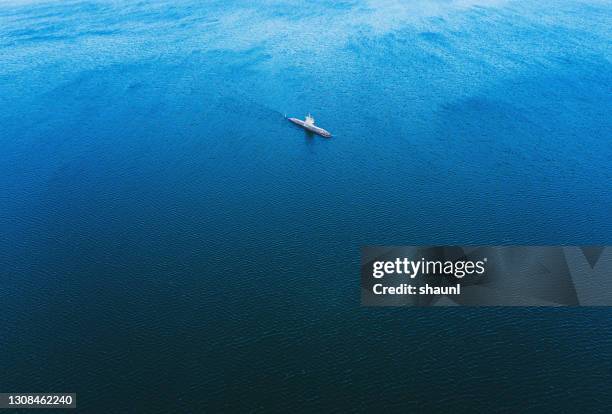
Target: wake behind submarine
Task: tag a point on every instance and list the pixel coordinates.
(309, 124)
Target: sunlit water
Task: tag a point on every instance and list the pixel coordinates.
(171, 243)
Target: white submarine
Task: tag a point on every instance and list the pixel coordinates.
(309, 124)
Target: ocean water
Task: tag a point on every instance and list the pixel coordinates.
(170, 243)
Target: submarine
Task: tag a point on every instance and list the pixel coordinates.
(309, 124)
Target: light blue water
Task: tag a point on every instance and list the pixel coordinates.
(170, 239)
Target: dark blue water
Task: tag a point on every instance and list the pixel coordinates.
(170, 243)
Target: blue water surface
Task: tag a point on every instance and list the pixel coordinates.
(170, 243)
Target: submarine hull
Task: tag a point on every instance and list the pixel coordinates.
(311, 128)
